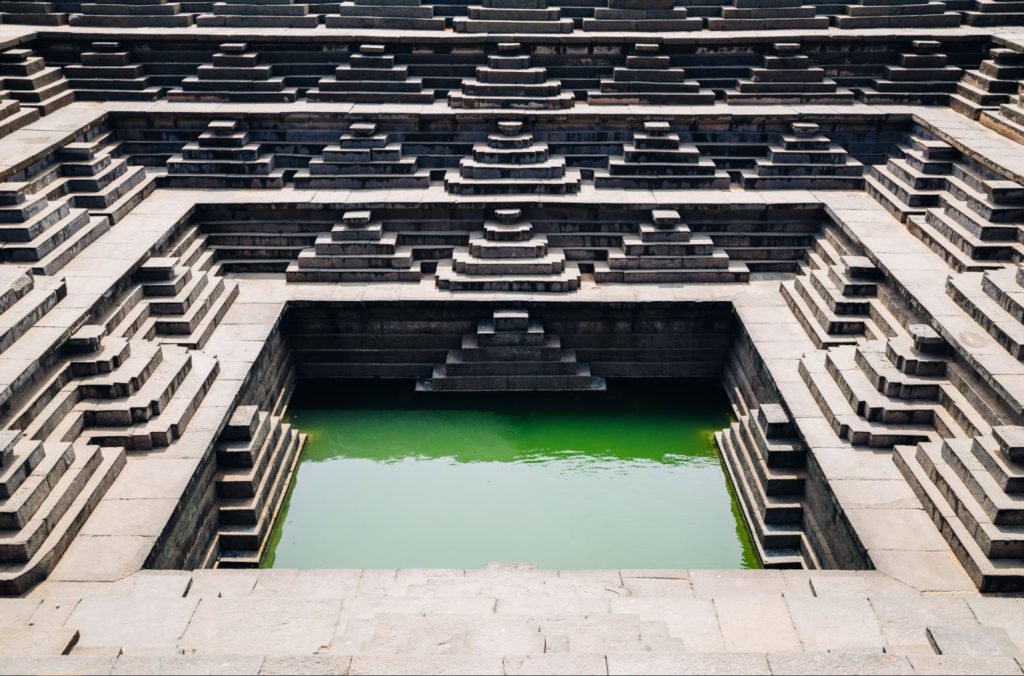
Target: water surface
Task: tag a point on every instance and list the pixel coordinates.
(394, 479)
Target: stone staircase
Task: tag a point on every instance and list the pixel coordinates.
(642, 15)
(236, 75)
(976, 225)
(33, 84)
(47, 491)
(995, 13)
(994, 83)
(371, 76)
(512, 162)
(658, 160)
(765, 460)
(766, 15)
(805, 159)
(131, 14)
(12, 115)
(993, 300)
(356, 250)
(42, 233)
(256, 456)
(511, 352)
(897, 14)
(24, 300)
(224, 156)
(113, 391)
(97, 177)
(648, 78)
(787, 76)
(385, 14)
(836, 298)
(508, 256)
(363, 158)
(513, 16)
(510, 81)
(921, 77)
(974, 491)
(258, 14)
(913, 180)
(664, 251)
(108, 74)
(896, 391)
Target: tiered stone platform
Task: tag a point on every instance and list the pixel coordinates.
(510, 162)
(510, 352)
(649, 78)
(818, 204)
(509, 81)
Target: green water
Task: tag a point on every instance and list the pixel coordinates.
(394, 479)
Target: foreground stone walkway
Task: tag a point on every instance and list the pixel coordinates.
(508, 620)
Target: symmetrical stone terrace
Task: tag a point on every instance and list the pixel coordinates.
(516, 206)
(648, 77)
(236, 75)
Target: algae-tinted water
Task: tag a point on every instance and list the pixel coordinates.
(394, 479)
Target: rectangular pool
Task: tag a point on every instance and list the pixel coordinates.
(391, 478)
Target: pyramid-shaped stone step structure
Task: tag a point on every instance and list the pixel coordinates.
(180, 305)
(256, 456)
(512, 162)
(12, 115)
(995, 13)
(24, 300)
(117, 391)
(371, 76)
(877, 391)
(363, 158)
(649, 78)
(974, 491)
(664, 251)
(132, 14)
(32, 83)
(42, 233)
(898, 14)
(223, 156)
(806, 159)
(768, 15)
(510, 81)
(32, 12)
(1008, 120)
(657, 159)
(511, 352)
(765, 460)
(508, 256)
(513, 16)
(237, 76)
(107, 73)
(994, 82)
(835, 300)
(922, 76)
(642, 15)
(258, 14)
(385, 14)
(47, 492)
(961, 231)
(787, 76)
(993, 299)
(914, 180)
(99, 179)
(356, 250)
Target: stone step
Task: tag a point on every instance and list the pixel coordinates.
(968, 292)
(19, 318)
(244, 545)
(172, 421)
(18, 578)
